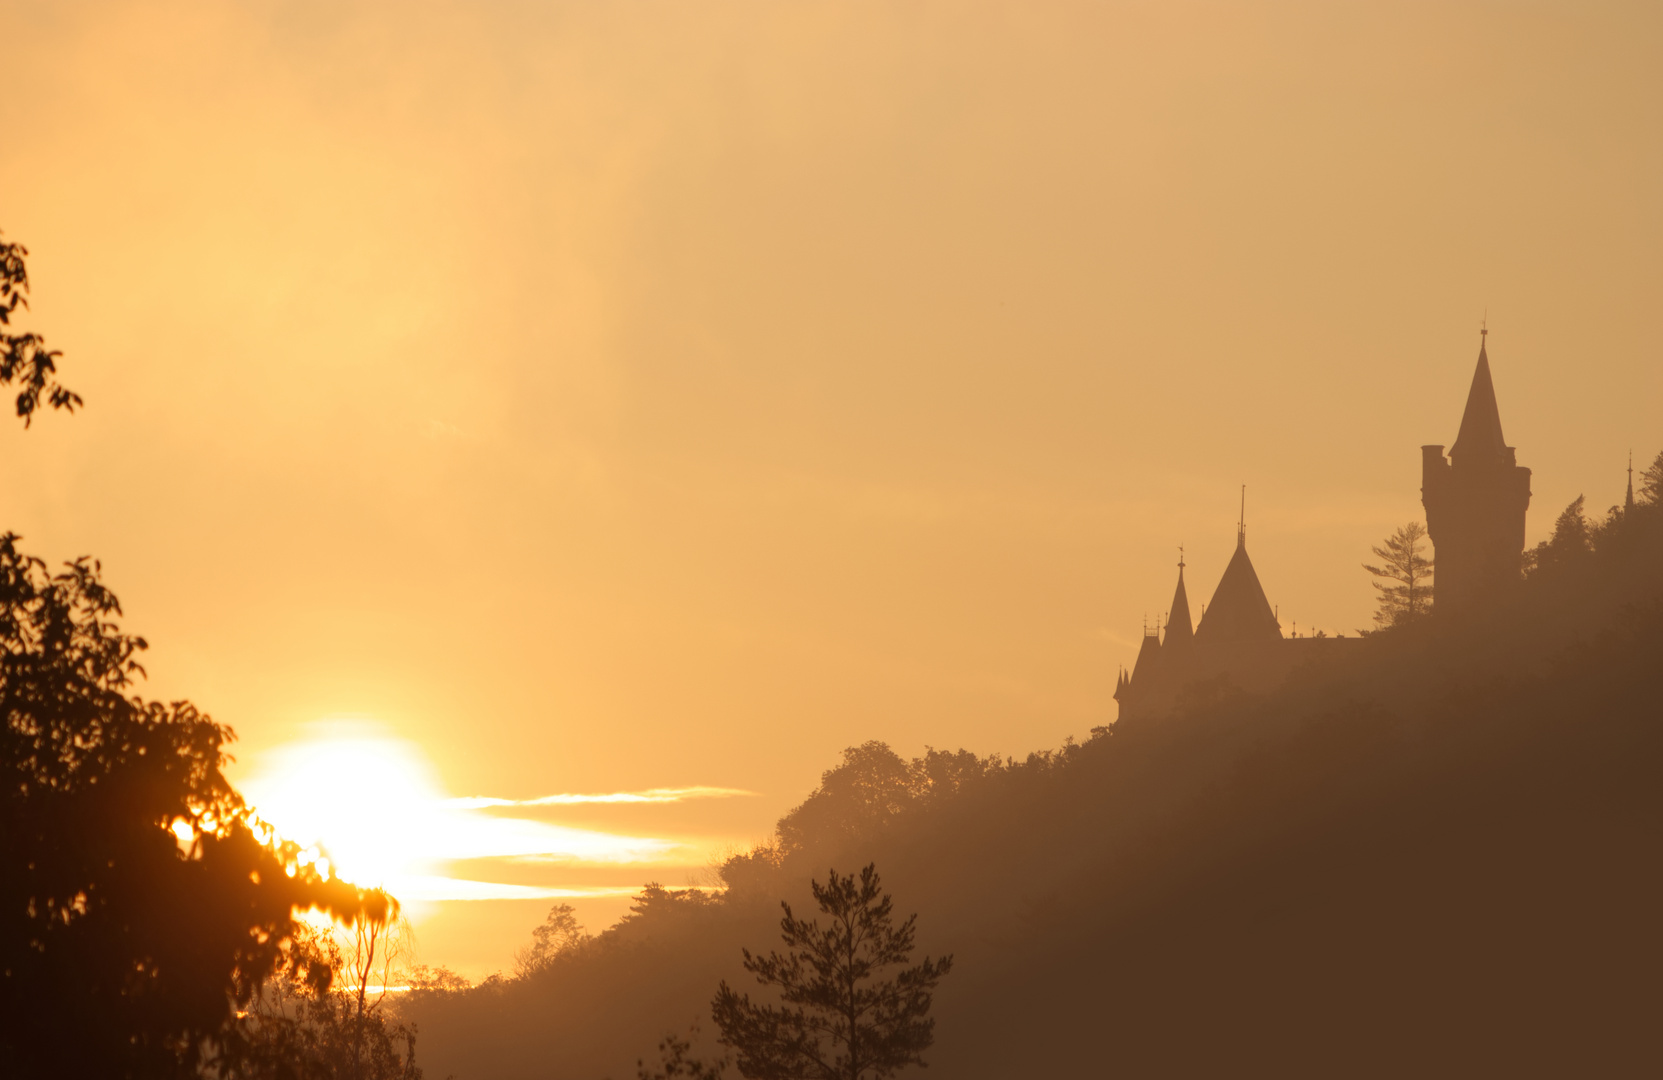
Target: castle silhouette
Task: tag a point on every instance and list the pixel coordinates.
(1475, 502)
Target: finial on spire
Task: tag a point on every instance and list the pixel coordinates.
(1241, 522)
(1181, 547)
(1628, 499)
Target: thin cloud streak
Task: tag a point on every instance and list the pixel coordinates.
(651, 795)
(432, 887)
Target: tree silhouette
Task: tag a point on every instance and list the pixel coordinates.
(1571, 541)
(141, 902)
(559, 933)
(24, 358)
(1406, 585)
(872, 785)
(307, 1029)
(839, 1020)
(675, 1060)
(1651, 483)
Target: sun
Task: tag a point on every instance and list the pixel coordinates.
(370, 802)
(374, 805)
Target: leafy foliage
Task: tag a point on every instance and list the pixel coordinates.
(1651, 483)
(142, 903)
(24, 358)
(839, 1020)
(1571, 542)
(1405, 577)
(675, 1059)
(559, 933)
(873, 785)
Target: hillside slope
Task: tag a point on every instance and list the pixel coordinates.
(1441, 858)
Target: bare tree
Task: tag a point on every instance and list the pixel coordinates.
(377, 944)
(313, 1022)
(1406, 577)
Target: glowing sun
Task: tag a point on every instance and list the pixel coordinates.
(375, 807)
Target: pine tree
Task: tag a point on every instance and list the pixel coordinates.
(838, 1021)
(1406, 585)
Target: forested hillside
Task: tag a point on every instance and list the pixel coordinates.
(1440, 858)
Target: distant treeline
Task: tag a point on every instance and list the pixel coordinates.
(1437, 856)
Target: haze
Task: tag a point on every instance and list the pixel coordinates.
(609, 398)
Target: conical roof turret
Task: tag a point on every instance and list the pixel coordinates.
(1239, 611)
(1149, 654)
(1480, 440)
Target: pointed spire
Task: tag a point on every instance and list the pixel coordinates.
(1628, 499)
(1179, 630)
(1480, 437)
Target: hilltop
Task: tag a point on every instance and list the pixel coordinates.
(1437, 856)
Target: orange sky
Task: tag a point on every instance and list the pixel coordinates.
(614, 396)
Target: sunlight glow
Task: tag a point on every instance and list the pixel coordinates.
(373, 807)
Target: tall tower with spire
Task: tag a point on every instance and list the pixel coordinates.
(1475, 501)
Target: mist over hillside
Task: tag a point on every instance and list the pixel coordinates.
(1433, 855)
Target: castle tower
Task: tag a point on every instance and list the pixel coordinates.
(1475, 502)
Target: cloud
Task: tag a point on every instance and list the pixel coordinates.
(651, 795)
(432, 887)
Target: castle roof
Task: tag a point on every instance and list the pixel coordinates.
(1148, 657)
(1239, 611)
(1480, 437)
(1179, 630)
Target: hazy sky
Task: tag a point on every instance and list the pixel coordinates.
(595, 398)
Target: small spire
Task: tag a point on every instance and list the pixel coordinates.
(1628, 499)
(1241, 522)
(1480, 435)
